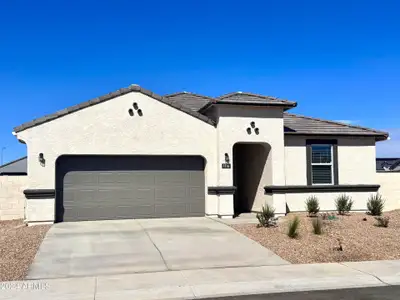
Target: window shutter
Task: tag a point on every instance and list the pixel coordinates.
(321, 174)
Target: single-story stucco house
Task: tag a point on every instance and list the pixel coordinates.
(135, 154)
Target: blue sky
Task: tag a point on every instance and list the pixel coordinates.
(339, 60)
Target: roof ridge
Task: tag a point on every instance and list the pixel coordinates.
(245, 93)
(14, 161)
(338, 123)
(188, 93)
(224, 96)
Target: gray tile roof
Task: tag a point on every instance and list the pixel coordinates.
(18, 166)
(123, 91)
(297, 124)
(193, 101)
(255, 99)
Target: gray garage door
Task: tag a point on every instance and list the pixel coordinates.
(121, 187)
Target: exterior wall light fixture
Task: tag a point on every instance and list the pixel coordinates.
(42, 161)
(227, 158)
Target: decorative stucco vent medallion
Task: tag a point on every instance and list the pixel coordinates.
(253, 126)
(135, 107)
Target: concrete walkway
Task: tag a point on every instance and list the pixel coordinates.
(142, 246)
(189, 284)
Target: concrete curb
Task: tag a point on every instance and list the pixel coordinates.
(203, 283)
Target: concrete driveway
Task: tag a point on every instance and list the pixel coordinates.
(140, 246)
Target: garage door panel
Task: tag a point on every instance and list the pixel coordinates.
(170, 192)
(142, 178)
(171, 210)
(80, 178)
(196, 193)
(120, 187)
(145, 194)
(142, 211)
(107, 177)
(195, 206)
(172, 178)
(196, 178)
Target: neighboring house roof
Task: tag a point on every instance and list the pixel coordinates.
(297, 124)
(395, 166)
(193, 101)
(18, 166)
(388, 164)
(254, 99)
(120, 92)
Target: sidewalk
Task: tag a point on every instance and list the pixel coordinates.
(204, 283)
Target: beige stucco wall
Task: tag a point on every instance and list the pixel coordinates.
(12, 199)
(296, 201)
(39, 210)
(390, 189)
(356, 160)
(107, 128)
(232, 125)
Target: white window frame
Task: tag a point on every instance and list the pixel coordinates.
(323, 164)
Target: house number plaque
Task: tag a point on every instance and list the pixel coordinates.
(226, 166)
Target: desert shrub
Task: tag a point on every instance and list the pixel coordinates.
(382, 221)
(375, 205)
(343, 204)
(266, 216)
(312, 205)
(317, 225)
(293, 227)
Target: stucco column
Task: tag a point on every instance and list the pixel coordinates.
(225, 201)
(278, 175)
(225, 206)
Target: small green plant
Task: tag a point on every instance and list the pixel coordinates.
(382, 221)
(293, 227)
(375, 205)
(266, 216)
(343, 204)
(312, 205)
(317, 225)
(329, 216)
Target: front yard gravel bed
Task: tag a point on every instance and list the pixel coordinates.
(18, 246)
(361, 240)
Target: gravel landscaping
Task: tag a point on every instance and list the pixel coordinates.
(361, 240)
(18, 246)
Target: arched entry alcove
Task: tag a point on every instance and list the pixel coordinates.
(252, 170)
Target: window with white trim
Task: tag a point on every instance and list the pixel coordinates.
(321, 164)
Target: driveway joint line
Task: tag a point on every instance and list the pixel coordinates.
(95, 288)
(366, 273)
(159, 251)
